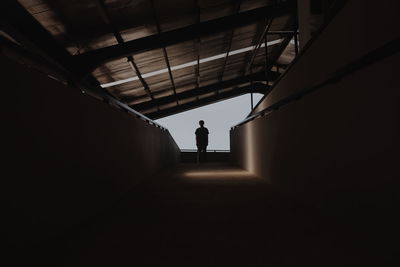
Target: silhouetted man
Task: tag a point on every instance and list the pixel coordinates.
(201, 142)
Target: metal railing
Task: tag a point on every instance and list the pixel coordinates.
(374, 56)
(133, 112)
(36, 62)
(208, 150)
(334, 9)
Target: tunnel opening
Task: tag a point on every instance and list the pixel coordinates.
(93, 173)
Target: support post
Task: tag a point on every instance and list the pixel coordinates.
(303, 15)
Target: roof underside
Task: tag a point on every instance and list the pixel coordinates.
(163, 57)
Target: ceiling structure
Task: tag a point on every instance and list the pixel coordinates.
(160, 57)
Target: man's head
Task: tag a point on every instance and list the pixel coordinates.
(201, 123)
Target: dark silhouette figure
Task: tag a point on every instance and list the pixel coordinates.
(201, 142)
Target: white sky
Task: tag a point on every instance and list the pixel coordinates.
(218, 117)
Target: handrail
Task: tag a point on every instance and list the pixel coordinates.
(386, 50)
(211, 150)
(334, 9)
(135, 113)
(32, 58)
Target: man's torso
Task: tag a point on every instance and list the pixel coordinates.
(202, 136)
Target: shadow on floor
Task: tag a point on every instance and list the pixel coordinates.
(219, 215)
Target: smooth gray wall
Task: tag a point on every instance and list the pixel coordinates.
(67, 156)
(342, 135)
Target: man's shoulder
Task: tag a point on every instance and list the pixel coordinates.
(201, 130)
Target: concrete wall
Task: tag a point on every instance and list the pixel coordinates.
(66, 155)
(344, 134)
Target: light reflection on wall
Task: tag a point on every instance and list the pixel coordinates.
(249, 149)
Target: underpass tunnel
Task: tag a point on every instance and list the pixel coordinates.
(91, 178)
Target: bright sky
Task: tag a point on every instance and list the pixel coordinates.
(218, 117)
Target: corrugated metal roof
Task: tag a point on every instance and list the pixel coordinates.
(82, 26)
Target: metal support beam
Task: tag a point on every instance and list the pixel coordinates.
(18, 23)
(198, 48)
(266, 61)
(390, 48)
(99, 56)
(135, 68)
(303, 20)
(165, 54)
(258, 77)
(282, 46)
(258, 45)
(198, 69)
(280, 50)
(257, 88)
(105, 15)
(107, 19)
(232, 32)
(202, 90)
(280, 32)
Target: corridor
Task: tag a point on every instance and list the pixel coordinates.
(192, 216)
(90, 178)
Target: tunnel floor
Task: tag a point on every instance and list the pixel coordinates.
(212, 215)
(192, 215)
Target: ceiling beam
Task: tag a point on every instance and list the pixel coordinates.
(256, 78)
(96, 57)
(279, 51)
(165, 54)
(18, 23)
(255, 88)
(202, 90)
(198, 46)
(229, 46)
(105, 14)
(258, 45)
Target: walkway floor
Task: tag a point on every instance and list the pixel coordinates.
(195, 215)
(213, 215)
